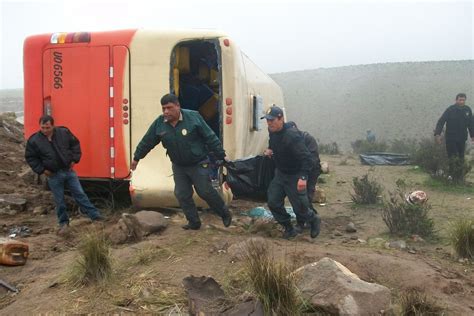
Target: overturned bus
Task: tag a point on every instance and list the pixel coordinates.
(106, 87)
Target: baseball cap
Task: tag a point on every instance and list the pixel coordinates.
(273, 113)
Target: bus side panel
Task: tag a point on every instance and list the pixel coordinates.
(76, 81)
(122, 109)
(33, 91)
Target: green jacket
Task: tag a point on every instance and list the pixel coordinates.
(188, 143)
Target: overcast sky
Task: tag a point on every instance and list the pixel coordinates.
(278, 36)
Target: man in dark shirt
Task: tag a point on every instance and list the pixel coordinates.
(293, 163)
(188, 141)
(312, 145)
(53, 151)
(458, 119)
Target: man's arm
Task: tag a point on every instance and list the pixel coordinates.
(75, 146)
(442, 120)
(33, 158)
(148, 142)
(210, 138)
(303, 155)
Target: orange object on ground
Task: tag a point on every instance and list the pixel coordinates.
(13, 252)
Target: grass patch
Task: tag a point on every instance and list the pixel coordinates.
(272, 282)
(365, 191)
(461, 237)
(441, 185)
(329, 149)
(94, 262)
(151, 253)
(414, 302)
(361, 146)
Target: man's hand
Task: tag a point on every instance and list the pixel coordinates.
(226, 159)
(438, 139)
(47, 173)
(301, 186)
(268, 152)
(133, 165)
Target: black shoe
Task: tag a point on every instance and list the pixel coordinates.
(315, 226)
(299, 228)
(190, 226)
(289, 232)
(227, 218)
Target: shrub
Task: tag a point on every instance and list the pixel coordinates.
(407, 146)
(403, 218)
(365, 191)
(272, 282)
(414, 302)
(361, 146)
(329, 149)
(461, 236)
(94, 261)
(433, 158)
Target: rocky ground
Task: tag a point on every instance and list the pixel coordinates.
(149, 269)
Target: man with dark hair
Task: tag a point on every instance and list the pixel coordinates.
(293, 163)
(458, 119)
(312, 145)
(53, 151)
(189, 141)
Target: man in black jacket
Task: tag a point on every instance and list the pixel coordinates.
(293, 163)
(53, 151)
(458, 119)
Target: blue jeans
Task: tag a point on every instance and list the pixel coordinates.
(57, 183)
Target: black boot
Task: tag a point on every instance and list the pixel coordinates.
(227, 218)
(315, 226)
(192, 226)
(289, 232)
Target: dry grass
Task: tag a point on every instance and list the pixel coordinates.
(365, 191)
(414, 302)
(272, 282)
(461, 236)
(94, 262)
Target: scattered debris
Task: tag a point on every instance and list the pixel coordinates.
(13, 252)
(19, 231)
(8, 286)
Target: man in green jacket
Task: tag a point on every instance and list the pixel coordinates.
(188, 141)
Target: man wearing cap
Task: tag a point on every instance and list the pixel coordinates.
(293, 163)
(188, 141)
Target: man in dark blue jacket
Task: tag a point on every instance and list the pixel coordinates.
(53, 151)
(188, 141)
(293, 163)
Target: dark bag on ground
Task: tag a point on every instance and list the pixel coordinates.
(249, 178)
(390, 159)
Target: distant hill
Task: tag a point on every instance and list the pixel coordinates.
(395, 100)
(11, 100)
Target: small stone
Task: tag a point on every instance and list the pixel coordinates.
(350, 228)
(399, 244)
(362, 241)
(354, 238)
(337, 233)
(39, 210)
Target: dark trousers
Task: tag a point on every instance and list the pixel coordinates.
(284, 185)
(185, 177)
(57, 183)
(455, 148)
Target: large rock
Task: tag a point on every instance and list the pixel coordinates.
(330, 286)
(205, 295)
(12, 202)
(133, 227)
(151, 222)
(324, 167)
(319, 196)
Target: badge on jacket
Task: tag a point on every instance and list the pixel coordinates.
(184, 132)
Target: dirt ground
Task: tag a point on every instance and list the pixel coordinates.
(147, 276)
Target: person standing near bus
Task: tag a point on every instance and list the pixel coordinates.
(188, 141)
(53, 151)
